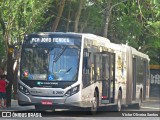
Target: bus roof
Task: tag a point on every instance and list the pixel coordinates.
(122, 47)
(95, 37)
(137, 53)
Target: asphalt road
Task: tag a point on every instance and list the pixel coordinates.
(149, 110)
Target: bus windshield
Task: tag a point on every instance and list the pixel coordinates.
(57, 63)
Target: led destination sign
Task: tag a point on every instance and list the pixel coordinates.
(52, 40)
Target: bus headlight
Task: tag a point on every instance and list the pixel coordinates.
(72, 91)
(23, 89)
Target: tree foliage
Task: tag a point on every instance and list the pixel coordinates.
(133, 22)
(137, 23)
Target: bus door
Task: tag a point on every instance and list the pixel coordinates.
(108, 78)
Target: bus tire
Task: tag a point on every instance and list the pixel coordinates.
(119, 101)
(94, 106)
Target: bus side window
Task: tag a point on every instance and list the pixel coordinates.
(98, 67)
(86, 69)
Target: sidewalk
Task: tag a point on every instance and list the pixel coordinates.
(16, 107)
(154, 98)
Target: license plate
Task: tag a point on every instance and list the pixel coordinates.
(46, 102)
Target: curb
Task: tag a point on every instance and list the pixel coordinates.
(16, 107)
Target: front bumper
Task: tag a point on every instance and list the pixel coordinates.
(57, 102)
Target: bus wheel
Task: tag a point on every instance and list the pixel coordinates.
(119, 102)
(94, 103)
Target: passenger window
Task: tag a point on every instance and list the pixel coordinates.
(86, 68)
(98, 66)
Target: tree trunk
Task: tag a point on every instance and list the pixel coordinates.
(9, 78)
(108, 13)
(69, 16)
(78, 14)
(15, 75)
(3, 26)
(60, 11)
(83, 25)
(2, 23)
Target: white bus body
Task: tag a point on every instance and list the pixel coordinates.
(60, 70)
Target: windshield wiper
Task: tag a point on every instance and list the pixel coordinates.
(59, 54)
(67, 71)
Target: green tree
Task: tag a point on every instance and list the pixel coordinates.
(18, 17)
(137, 23)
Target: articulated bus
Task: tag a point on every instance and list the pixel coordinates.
(67, 70)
